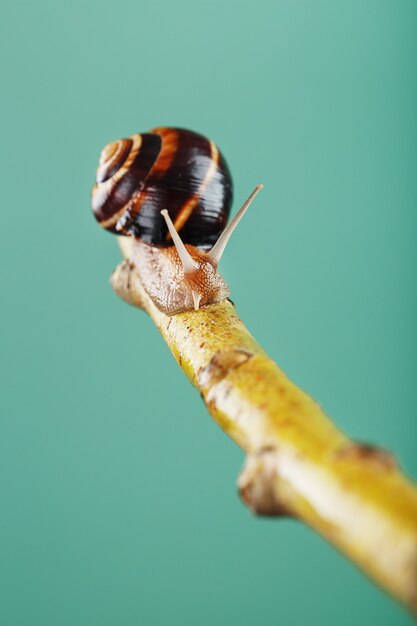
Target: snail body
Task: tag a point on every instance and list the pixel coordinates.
(171, 289)
(140, 179)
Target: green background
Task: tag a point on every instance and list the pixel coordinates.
(117, 490)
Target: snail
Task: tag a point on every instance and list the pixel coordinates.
(170, 189)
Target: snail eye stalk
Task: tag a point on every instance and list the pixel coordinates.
(186, 259)
(217, 250)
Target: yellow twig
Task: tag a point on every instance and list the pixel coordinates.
(298, 462)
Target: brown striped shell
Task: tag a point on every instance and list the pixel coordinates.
(165, 168)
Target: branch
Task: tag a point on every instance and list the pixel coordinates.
(299, 464)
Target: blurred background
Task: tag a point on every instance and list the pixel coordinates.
(117, 490)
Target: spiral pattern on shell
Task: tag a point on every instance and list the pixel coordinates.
(166, 168)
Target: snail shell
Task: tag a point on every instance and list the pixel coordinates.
(165, 168)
